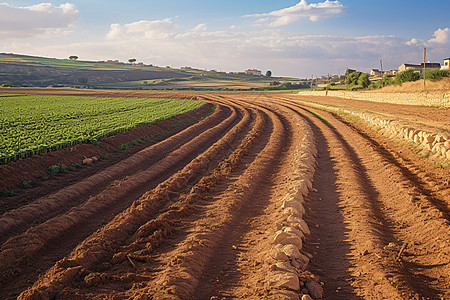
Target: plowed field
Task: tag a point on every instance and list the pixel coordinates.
(264, 199)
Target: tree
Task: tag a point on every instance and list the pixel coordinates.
(357, 80)
(268, 73)
(132, 60)
(363, 80)
(352, 78)
(73, 57)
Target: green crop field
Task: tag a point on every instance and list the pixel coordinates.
(74, 64)
(31, 124)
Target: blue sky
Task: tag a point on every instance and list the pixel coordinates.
(291, 38)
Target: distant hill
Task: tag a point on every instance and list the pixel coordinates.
(31, 71)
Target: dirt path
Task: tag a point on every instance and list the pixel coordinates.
(432, 116)
(201, 220)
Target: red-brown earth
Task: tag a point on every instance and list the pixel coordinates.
(194, 215)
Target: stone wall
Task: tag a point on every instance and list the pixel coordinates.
(436, 143)
(427, 99)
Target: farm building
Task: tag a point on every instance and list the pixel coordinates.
(446, 64)
(391, 72)
(405, 67)
(375, 72)
(253, 72)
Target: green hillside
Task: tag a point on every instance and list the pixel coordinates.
(31, 71)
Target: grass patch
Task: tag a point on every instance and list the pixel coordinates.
(353, 118)
(26, 184)
(318, 116)
(53, 170)
(10, 193)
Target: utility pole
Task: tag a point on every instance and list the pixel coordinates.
(312, 79)
(328, 83)
(424, 69)
(381, 65)
(345, 78)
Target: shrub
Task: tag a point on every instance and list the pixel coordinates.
(10, 193)
(274, 83)
(26, 184)
(354, 87)
(407, 75)
(352, 78)
(435, 75)
(375, 85)
(388, 80)
(363, 80)
(53, 170)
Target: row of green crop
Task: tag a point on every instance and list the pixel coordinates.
(32, 125)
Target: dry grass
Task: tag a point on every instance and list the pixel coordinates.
(417, 86)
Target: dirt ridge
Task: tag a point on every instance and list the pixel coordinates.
(223, 216)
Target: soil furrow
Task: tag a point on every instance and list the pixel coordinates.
(18, 220)
(393, 204)
(34, 168)
(328, 242)
(128, 220)
(227, 266)
(243, 263)
(203, 240)
(45, 235)
(203, 213)
(434, 185)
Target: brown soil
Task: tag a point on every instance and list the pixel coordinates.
(421, 115)
(198, 222)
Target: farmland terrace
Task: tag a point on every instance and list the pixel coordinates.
(271, 196)
(41, 75)
(30, 71)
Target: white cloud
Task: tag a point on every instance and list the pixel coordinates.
(441, 37)
(313, 11)
(24, 22)
(414, 42)
(163, 42)
(200, 27)
(438, 47)
(142, 29)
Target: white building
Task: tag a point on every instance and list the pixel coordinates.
(253, 72)
(446, 64)
(375, 72)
